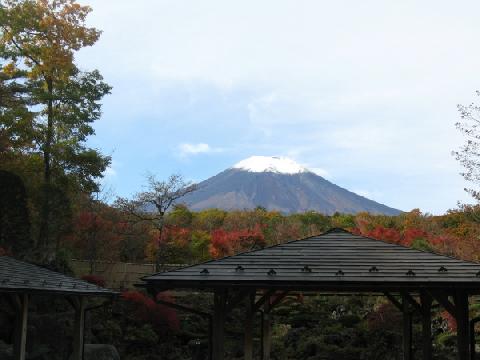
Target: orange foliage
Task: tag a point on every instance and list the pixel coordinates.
(409, 235)
(225, 243)
(387, 234)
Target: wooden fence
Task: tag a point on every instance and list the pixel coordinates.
(118, 275)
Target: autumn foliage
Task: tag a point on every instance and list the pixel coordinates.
(225, 243)
(192, 237)
(146, 310)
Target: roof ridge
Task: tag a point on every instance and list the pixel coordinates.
(335, 230)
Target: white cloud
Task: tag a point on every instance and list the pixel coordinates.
(111, 170)
(193, 149)
(187, 149)
(365, 89)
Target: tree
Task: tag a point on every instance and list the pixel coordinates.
(152, 205)
(14, 216)
(469, 154)
(38, 40)
(16, 119)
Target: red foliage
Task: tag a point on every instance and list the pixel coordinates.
(385, 316)
(176, 234)
(94, 279)
(149, 311)
(355, 231)
(94, 230)
(225, 243)
(443, 241)
(394, 236)
(409, 235)
(451, 322)
(387, 234)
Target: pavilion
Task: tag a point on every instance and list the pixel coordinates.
(21, 281)
(336, 262)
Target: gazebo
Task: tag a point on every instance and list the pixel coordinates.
(20, 281)
(338, 262)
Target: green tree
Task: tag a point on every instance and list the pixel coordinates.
(39, 40)
(16, 119)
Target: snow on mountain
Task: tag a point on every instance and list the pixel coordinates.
(281, 184)
(274, 164)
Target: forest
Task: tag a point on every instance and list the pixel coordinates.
(53, 210)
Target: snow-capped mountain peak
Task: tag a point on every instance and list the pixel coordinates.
(275, 164)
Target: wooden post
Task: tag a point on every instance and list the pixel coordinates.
(426, 303)
(463, 325)
(21, 317)
(210, 338)
(267, 330)
(219, 301)
(473, 354)
(407, 329)
(248, 345)
(79, 328)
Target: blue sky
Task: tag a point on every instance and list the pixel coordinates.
(363, 92)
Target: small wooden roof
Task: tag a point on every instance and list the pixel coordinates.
(20, 277)
(336, 260)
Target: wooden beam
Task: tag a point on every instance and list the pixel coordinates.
(248, 341)
(442, 299)
(21, 318)
(412, 301)
(183, 308)
(463, 326)
(219, 301)
(267, 329)
(278, 299)
(407, 329)
(210, 338)
(472, 338)
(262, 300)
(79, 327)
(426, 305)
(394, 301)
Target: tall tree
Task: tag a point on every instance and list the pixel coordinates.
(16, 118)
(152, 205)
(14, 216)
(40, 38)
(469, 154)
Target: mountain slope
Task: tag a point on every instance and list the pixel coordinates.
(278, 184)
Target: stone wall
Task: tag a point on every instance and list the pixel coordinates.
(118, 275)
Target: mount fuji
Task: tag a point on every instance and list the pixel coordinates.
(278, 183)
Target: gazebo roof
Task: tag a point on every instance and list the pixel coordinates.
(19, 276)
(335, 260)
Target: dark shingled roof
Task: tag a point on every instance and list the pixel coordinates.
(335, 260)
(19, 276)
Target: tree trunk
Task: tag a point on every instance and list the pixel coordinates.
(44, 240)
(162, 249)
